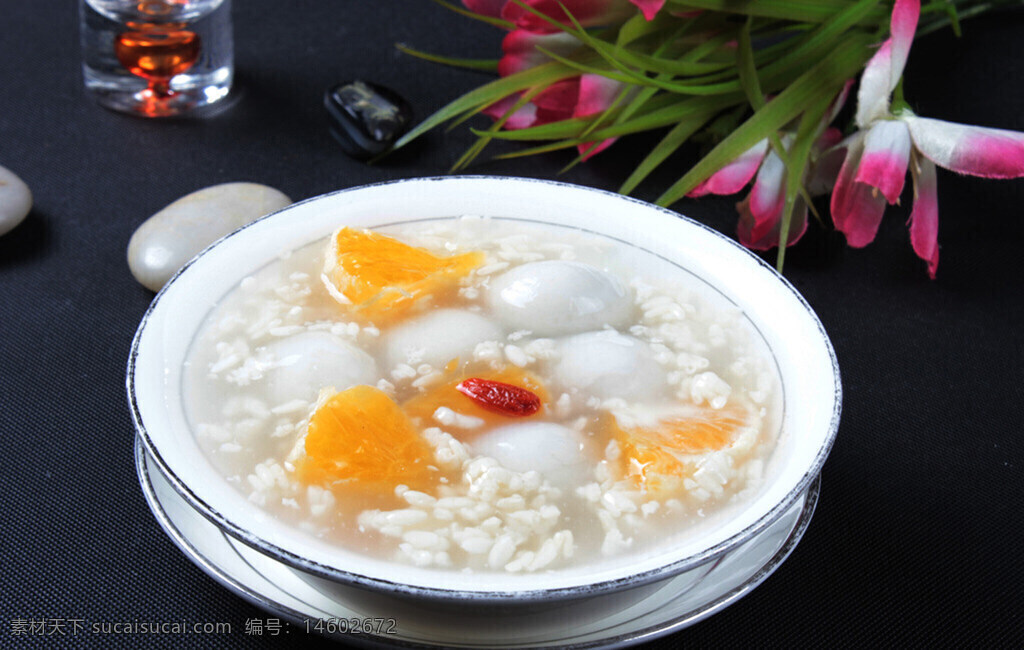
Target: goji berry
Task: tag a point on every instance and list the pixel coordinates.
(500, 397)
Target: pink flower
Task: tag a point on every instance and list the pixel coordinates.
(581, 96)
(649, 8)
(589, 13)
(576, 97)
(761, 212)
(879, 154)
(520, 49)
(760, 221)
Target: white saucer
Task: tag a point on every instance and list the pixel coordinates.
(624, 620)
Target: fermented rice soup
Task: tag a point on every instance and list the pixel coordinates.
(483, 394)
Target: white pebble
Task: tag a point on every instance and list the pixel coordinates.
(175, 234)
(15, 200)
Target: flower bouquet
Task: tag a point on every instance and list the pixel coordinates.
(764, 80)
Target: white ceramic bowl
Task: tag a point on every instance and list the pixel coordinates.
(722, 270)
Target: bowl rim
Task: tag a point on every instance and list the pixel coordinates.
(308, 565)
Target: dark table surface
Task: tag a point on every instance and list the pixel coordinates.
(917, 534)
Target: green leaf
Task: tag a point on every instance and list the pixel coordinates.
(690, 64)
(752, 86)
(746, 68)
(484, 138)
(626, 76)
(660, 111)
(796, 166)
(597, 121)
(490, 20)
(544, 148)
(812, 11)
(954, 18)
(674, 139)
(489, 93)
(819, 42)
(487, 65)
(639, 27)
(823, 79)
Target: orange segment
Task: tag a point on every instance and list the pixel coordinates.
(383, 277)
(660, 456)
(360, 440)
(423, 406)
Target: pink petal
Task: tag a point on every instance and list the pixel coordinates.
(486, 7)
(829, 138)
(905, 14)
(768, 239)
(885, 158)
(924, 219)
(975, 150)
(839, 102)
(557, 101)
(525, 117)
(768, 196)
(734, 176)
(587, 153)
(650, 8)
(521, 53)
(883, 71)
(596, 94)
(559, 96)
(827, 161)
(873, 94)
(856, 208)
(589, 13)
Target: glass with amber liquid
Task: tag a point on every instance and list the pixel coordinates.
(158, 58)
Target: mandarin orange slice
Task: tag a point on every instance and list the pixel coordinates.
(423, 406)
(383, 277)
(360, 441)
(661, 456)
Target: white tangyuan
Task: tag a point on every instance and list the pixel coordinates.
(553, 451)
(555, 297)
(607, 365)
(304, 363)
(438, 337)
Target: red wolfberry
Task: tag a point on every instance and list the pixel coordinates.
(500, 397)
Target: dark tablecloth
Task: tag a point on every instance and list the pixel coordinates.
(917, 535)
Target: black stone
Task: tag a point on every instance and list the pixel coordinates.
(366, 118)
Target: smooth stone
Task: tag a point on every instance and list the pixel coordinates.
(176, 234)
(366, 118)
(15, 200)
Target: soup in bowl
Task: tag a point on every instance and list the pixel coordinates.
(484, 388)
